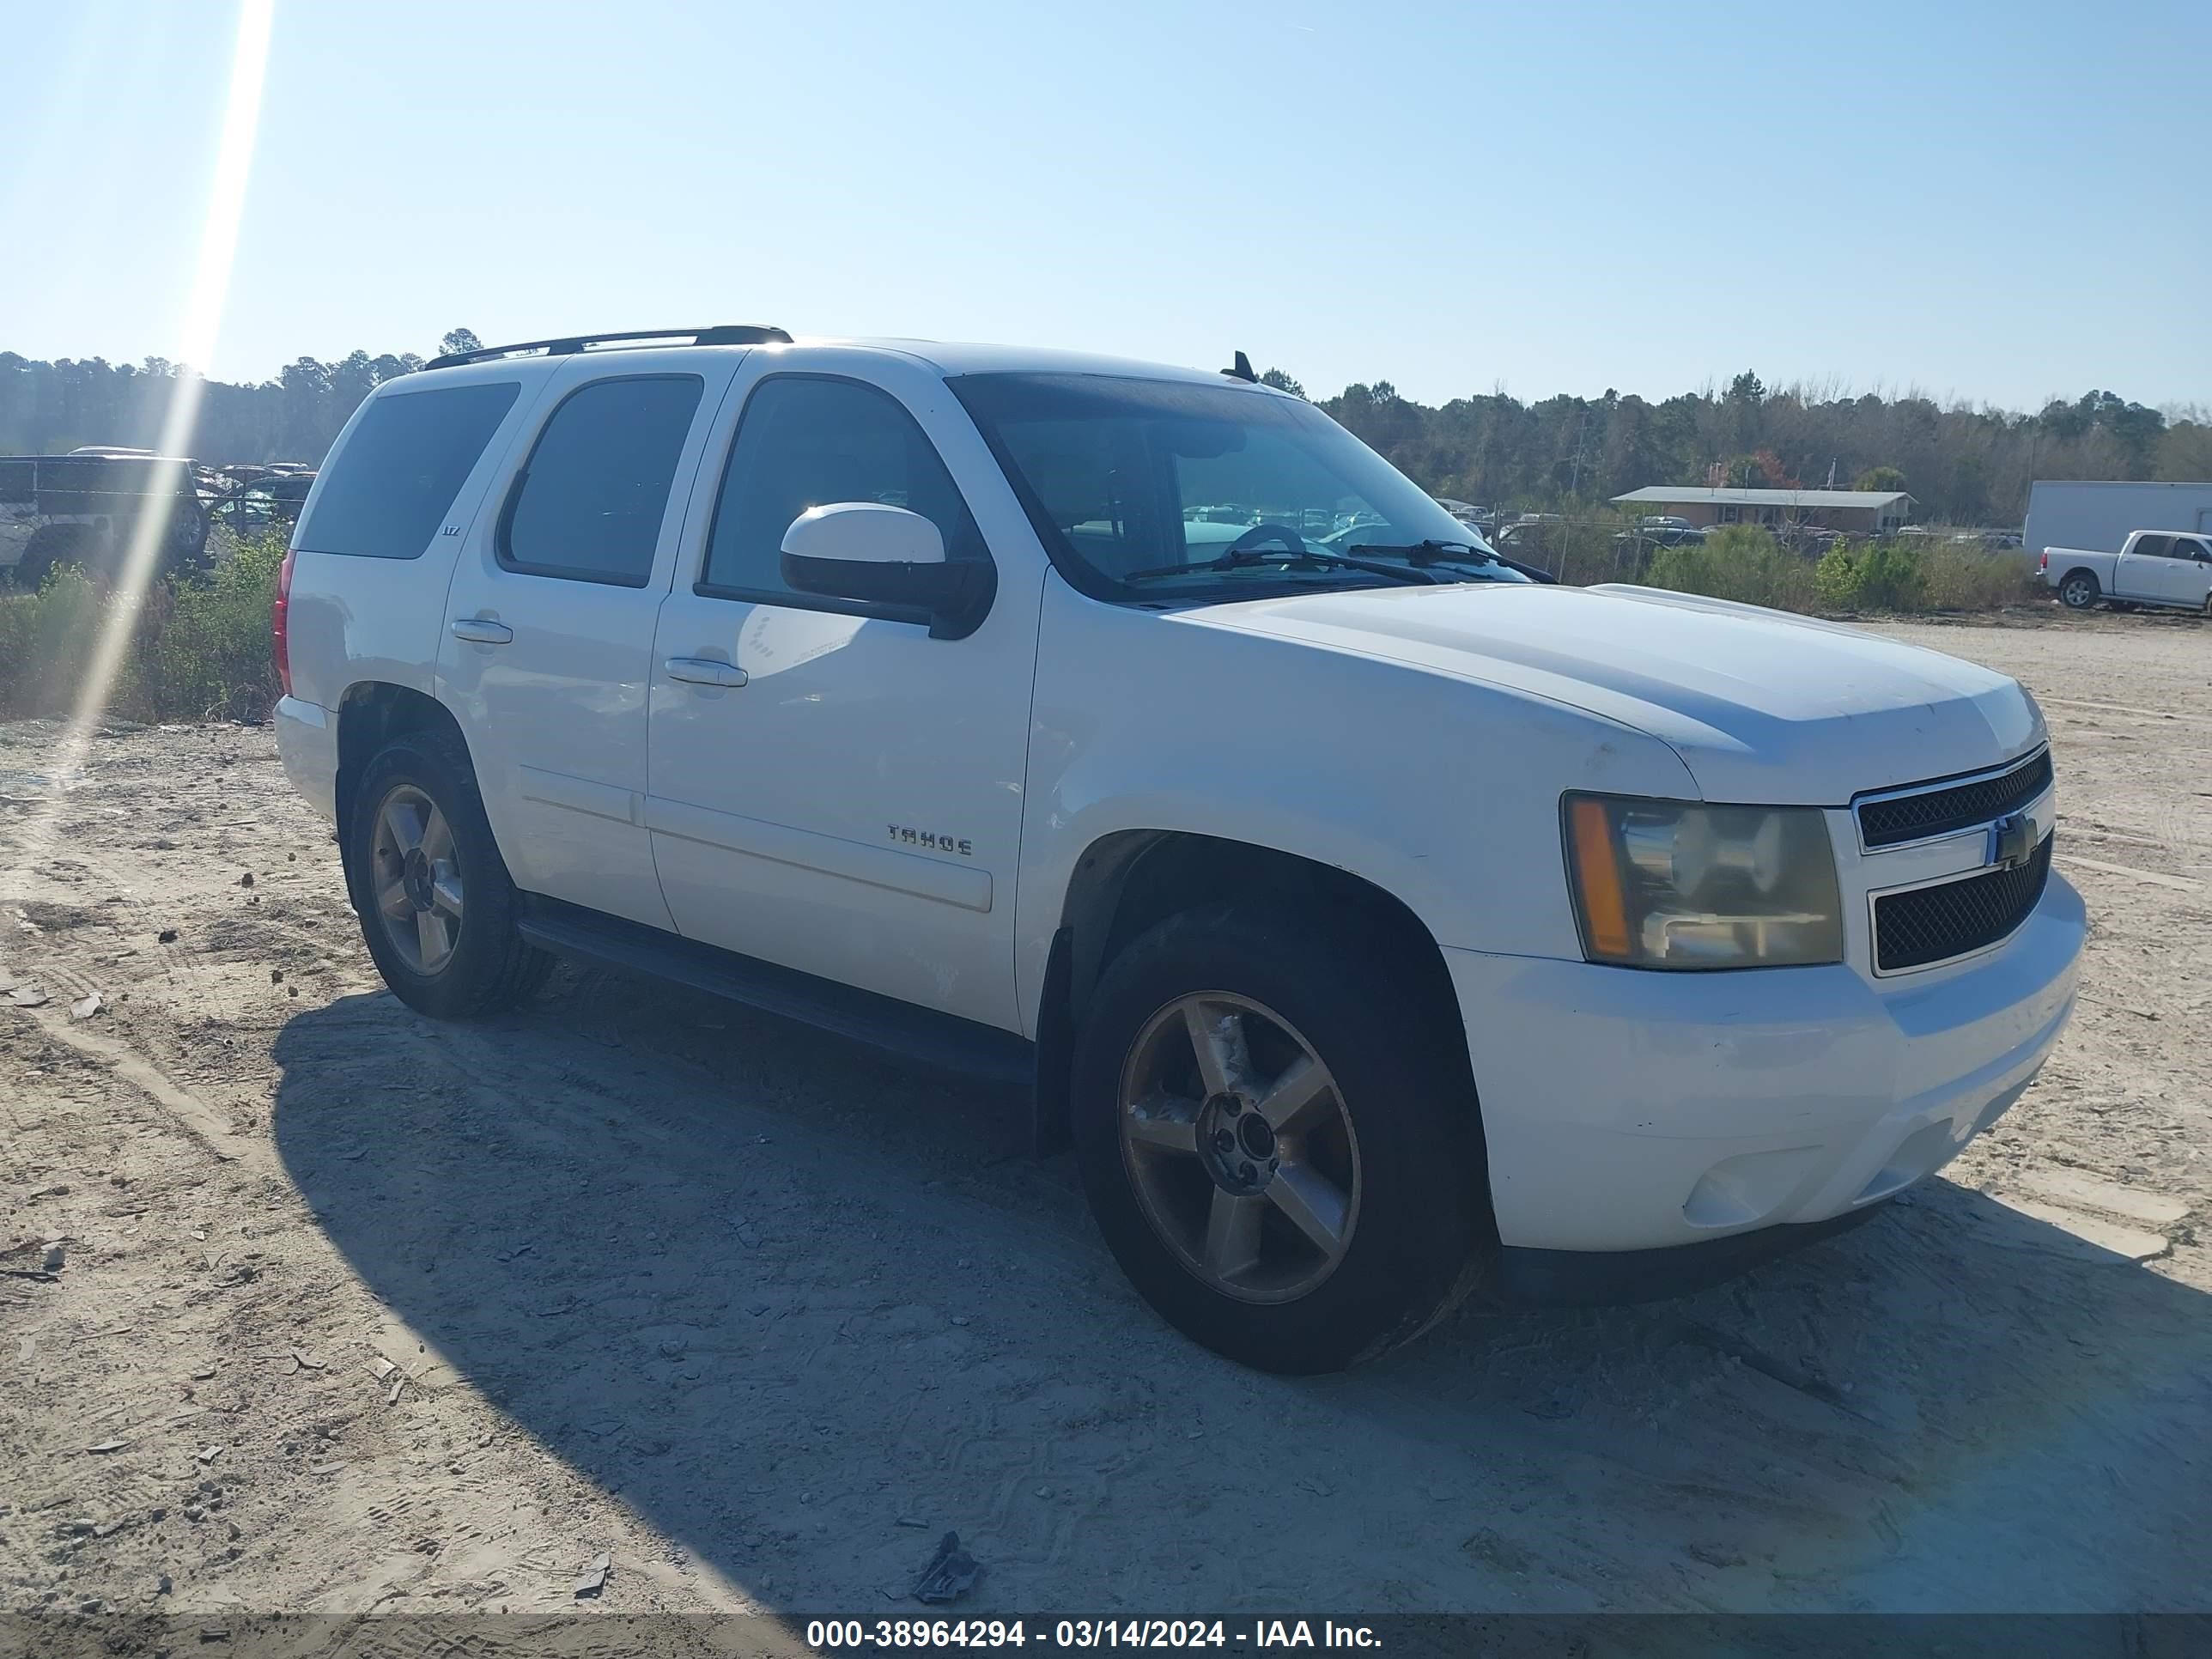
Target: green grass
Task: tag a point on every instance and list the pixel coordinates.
(1744, 563)
(199, 646)
(1741, 562)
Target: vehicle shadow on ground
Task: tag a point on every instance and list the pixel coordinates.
(783, 1299)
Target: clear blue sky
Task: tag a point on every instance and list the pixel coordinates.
(1991, 201)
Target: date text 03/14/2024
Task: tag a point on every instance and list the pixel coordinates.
(830, 1635)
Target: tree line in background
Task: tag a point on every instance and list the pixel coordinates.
(1968, 466)
(1962, 465)
(49, 408)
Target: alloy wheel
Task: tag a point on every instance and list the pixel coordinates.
(1239, 1147)
(416, 875)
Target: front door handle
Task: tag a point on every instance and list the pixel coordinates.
(705, 670)
(482, 631)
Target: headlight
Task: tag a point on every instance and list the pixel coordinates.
(1663, 884)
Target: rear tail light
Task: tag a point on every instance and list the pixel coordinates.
(280, 644)
(2044, 563)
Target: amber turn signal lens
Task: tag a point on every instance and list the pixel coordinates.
(1597, 874)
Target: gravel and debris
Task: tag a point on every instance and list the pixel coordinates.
(338, 1228)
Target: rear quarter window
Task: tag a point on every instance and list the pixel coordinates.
(388, 490)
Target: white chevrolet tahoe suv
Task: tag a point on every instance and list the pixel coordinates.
(1383, 927)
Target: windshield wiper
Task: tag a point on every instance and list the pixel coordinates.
(1421, 555)
(1239, 558)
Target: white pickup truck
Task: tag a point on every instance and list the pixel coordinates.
(2164, 568)
(1382, 929)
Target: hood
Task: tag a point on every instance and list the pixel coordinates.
(1763, 706)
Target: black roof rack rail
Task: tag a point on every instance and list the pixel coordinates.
(721, 334)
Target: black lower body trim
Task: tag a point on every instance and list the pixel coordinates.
(938, 1042)
(1594, 1279)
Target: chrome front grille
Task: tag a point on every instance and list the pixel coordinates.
(1923, 925)
(1924, 810)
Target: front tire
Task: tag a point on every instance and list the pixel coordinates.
(2079, 592)
(1278, 1141)
(437, 909)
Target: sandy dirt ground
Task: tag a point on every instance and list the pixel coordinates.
(311, 1304)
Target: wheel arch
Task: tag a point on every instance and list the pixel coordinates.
(370, 715)
(2095, 580)
(1127, 879)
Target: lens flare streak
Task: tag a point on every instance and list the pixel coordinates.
(211, 290)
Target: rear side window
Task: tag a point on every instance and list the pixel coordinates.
(805, 441)
(589, 503)
(388, 490)
(2152, 547)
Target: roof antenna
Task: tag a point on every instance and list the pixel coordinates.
(1242, 369)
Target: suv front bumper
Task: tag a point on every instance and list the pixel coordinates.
(1630, 1110)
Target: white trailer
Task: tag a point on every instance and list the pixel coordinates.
(2101, 515)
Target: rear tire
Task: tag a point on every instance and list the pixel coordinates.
(2079, 592)
(54, 545)
(185, 551)
(437, 908)
(1218, 1223)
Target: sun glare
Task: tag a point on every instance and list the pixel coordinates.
(210, 287)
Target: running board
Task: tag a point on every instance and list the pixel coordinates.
(940, 1043)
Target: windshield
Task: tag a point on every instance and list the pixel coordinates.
(1151, 490)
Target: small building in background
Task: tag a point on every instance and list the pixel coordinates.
(1852, 512)
(2098, 514)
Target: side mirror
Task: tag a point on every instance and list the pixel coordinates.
(874, 554)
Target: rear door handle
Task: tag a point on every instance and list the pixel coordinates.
(705, 670)
(482, 631)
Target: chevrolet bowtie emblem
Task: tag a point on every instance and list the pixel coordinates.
(2012, 841)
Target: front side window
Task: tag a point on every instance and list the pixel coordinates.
(809, 440)
(1165, 490)
(387, 490)
(588, 504)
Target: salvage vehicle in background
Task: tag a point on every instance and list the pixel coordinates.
(2169, 569)
(1659, 531)
(1383, 929)
(253, 501)
(83, 509)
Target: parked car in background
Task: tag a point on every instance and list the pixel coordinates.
(1383, 929)
(251, 501)
(1663, 530)
(1480, 519)
(84, 507)
(2168, 569)
(1524, 538)
(1811, 539)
